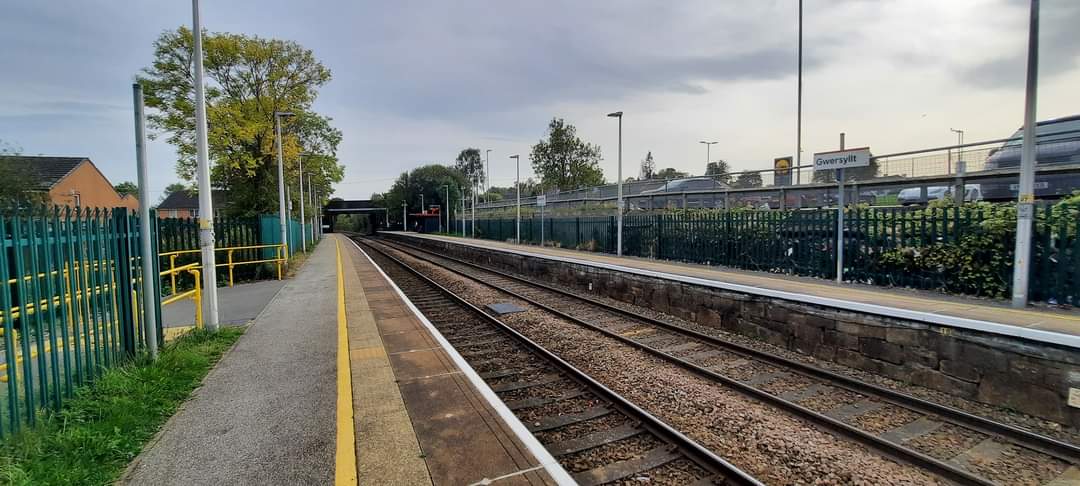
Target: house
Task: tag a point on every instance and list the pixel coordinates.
(185, 204)
(71, 181)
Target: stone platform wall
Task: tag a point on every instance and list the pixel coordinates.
(1027, 376)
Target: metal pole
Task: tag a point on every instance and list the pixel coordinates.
(147, 257)
(487, 171)
(281, 184)
(619, 205)
(1025, 206)
(541, 226)
(448, 230)
(311, 197)
(303, 230)
(517, 182)
(206, 202)
(462, 213)
(404, 217)
(798, 109)
(476, 182)
(840, 220)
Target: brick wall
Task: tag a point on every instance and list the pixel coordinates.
(1027, 376)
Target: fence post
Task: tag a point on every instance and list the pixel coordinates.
(123, 253)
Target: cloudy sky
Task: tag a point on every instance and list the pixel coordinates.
(415, 81)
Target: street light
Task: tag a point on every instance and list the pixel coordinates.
(708, 145)
(517, 182)
(1025, 207)
(487, 171)
(448, 209)
(303, 229)
(619, 204)
(281, 180)
(206, 201)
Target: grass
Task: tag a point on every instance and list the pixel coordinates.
(98, 432)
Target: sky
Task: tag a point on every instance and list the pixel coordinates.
(416, 81)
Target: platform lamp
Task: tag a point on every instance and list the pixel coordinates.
(517, 182)
(281, 179)
(619, 204)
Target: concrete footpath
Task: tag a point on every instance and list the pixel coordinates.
(266, 413)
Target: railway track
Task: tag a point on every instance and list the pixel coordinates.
(947, 442)
(596, 435)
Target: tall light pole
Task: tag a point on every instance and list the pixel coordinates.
(448, 230)
(404, 216)
(303, 230)
(206, 201)
(146, 247)
(798, 109)
(517, 182)
(1025, 207)
(708, 159)
(282, 220)
(959, 141)
(619, 203)
(476, 187)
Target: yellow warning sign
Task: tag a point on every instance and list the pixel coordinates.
(782, 166)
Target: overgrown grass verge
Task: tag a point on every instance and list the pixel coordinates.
(96, 434)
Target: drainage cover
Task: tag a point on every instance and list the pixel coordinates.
(505, 308)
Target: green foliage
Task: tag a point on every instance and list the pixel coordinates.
(127, 188)
(671, 173)
(431, 181)
(720, 170)
(96, 434)
(247, 80)
(748, 179)
(565, 162)
(469, 163)
(648, 167)
(19, 189)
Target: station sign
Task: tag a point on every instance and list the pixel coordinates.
(842, 159)
(782, 171)
(541, 201)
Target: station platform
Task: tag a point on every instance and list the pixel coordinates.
(1054, 326)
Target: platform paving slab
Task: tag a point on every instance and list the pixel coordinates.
(454, 433)
(266, 413)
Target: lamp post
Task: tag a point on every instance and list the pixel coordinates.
(487, 171)
(1025, 207)
(404, 216)
(517, 182)
(206, 201)
(798, 109)
(448, 208)
(282, 222)
(303, 229)
(619, 204)
(708, 159)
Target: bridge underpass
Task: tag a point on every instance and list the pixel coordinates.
(337, 207)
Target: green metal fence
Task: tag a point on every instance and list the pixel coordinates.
(966, 250)
(69, 305)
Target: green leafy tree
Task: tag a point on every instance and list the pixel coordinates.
(671, 173)
(127, 188)
(719, 170)
(748, 179)
(648, 167)
(469, 163)
(431, 181)
(247, 80)
(564, 161)
(19, 187)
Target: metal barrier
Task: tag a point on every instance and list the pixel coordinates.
(194, 269)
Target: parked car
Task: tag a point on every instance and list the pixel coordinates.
(688, 184)
(1057, 142)
(913, 195)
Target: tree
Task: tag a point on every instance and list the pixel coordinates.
(248, 79)
(171, 188)
(19, 188)
(719, 170)
(127, 188)
(563, 161)
(748, 179)
(671, 173)
(469, 163)
(648, 167)
(429, 181)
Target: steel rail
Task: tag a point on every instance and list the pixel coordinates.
(697, 453)
(891, 449)
(1031, 440)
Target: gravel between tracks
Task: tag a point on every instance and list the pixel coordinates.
(771, 445)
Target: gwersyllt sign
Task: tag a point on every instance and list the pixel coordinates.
(842, 159)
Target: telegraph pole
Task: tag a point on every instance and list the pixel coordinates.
(206, 201)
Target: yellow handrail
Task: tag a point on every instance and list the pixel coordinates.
(278, 259)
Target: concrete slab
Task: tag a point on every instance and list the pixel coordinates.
(266, 413)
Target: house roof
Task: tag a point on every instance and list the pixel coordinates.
(190, 200)
(47, 171)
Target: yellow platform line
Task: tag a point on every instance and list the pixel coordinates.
(345, 456)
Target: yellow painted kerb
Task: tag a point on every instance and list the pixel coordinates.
(345, 457)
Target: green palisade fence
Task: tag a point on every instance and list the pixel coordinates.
(964, 250)
(69, 305)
